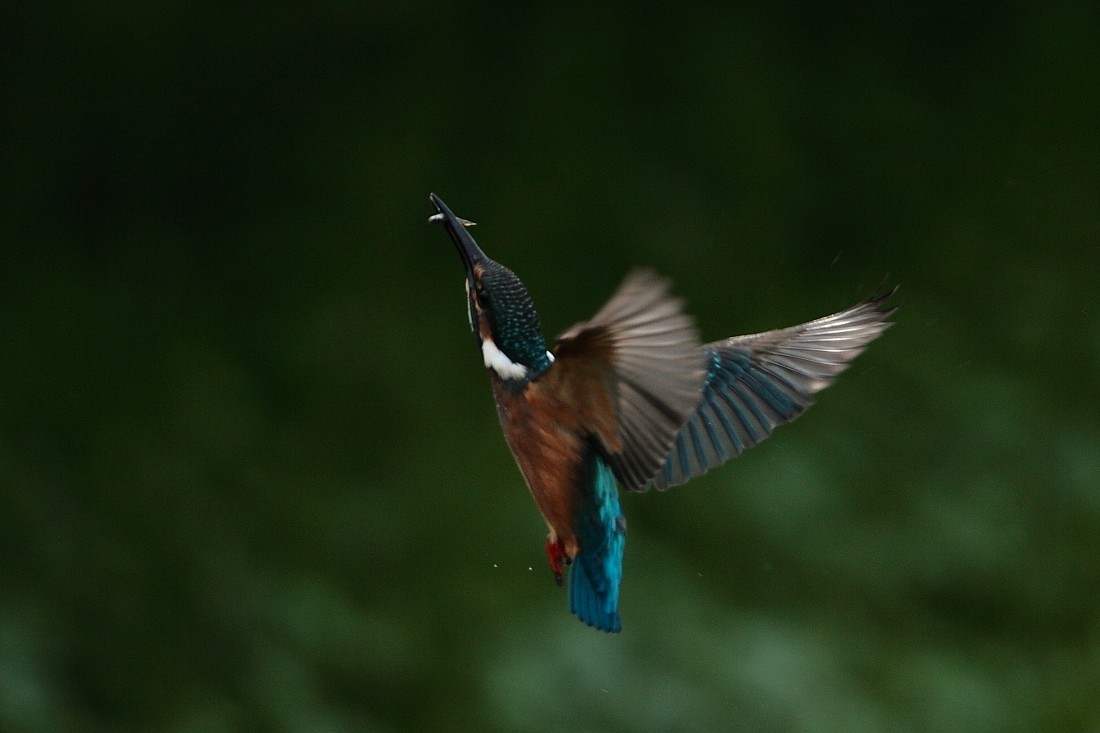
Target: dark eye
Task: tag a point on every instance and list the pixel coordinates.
(482, 296)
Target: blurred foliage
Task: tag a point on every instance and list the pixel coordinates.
(250, 474)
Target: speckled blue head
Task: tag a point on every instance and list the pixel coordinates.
(501, 312)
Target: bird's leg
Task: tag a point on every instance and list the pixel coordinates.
(555, 550)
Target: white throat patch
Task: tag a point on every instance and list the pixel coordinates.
(499, 362)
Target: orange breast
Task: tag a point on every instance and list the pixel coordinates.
(548, 441)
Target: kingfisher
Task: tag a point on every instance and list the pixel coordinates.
(631, 397)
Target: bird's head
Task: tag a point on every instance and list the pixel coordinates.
(502, 315)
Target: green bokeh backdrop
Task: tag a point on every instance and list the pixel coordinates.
(250, 473)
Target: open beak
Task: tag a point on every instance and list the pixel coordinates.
(468, 250)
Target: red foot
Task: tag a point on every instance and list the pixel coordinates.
(556, 552)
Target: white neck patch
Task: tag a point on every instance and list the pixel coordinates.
(499, 362)
(469, 313)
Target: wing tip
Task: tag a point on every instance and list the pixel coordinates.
(880, 298)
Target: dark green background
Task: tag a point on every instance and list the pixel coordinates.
(250, 473)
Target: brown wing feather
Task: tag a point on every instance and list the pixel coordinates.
(633, 371)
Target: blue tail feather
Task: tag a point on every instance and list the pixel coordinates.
(600, 610)
(601, 534)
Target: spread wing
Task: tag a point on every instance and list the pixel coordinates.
(633, 372)
(756, 383)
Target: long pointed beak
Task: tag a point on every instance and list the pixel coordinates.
(467, 248)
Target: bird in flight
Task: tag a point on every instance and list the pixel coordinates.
(631, 397)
